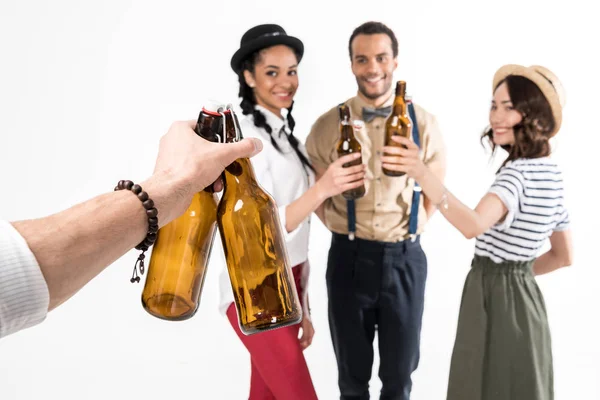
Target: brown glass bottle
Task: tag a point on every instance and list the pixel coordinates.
(398, 123)
(182, 250)
(348, 144)
(253, 241)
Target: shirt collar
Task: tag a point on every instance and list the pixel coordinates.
(274, 121)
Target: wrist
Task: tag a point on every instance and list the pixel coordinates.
(171, 195)
(306, 313)
(321, 191)
(442, 203)
(421, 173)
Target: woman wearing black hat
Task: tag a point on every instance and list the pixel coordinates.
(266, 64)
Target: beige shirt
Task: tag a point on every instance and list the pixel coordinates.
(383, 213)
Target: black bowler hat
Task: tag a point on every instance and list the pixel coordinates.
(263, 36)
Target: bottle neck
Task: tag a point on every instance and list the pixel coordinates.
(399, 100)
(346, 130)
(209, 126)
(401, 89)
(400, 108)
(238, 174)
(232, 131)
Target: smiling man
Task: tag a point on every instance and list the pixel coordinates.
(377, 281)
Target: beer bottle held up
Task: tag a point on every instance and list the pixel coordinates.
(182, 250)
(348, 144)
(255, 249)
(398, 123)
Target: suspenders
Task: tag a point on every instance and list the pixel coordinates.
(416, 197)
(414, 208)
(351, 219)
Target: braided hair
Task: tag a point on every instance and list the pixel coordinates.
(248, 106)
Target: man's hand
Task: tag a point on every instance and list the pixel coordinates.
(187, 164)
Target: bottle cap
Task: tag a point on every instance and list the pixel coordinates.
(358, 124)
(213, 106)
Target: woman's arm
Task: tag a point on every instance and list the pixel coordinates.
(334, 181)
(470, 222)
(560, 254)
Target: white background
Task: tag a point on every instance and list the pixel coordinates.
(87, 89)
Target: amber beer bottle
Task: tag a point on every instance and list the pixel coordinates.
(347, 144)
(253, 241)
(182, 249)
(398, 123)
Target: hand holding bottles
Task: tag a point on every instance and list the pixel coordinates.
(193, 163)
(405, 159)
(180, 256)
(338, 179)
(248, 221)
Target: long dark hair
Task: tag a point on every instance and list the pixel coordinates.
(532, 134)
(248, 106)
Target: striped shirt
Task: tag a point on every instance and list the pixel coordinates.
(532, 191)
(24, 294)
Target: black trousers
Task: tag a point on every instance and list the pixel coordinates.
(375, 286)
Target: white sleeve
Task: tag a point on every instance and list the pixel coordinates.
(564, 221)
(24, 296)
(262, 169)
(508, 186)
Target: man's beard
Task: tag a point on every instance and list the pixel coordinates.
(373, 96)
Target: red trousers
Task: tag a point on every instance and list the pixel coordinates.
(279, 370)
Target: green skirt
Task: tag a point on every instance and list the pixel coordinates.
(502, 349)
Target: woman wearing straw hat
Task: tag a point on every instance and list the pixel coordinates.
(502, 348)
(267, 67)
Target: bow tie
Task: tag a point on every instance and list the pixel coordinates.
(368, 113)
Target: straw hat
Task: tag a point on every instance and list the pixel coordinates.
(545, 79)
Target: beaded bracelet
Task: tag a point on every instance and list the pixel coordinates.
(152, 214)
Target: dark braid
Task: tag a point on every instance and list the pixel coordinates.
(294, 141)
(248, 106)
